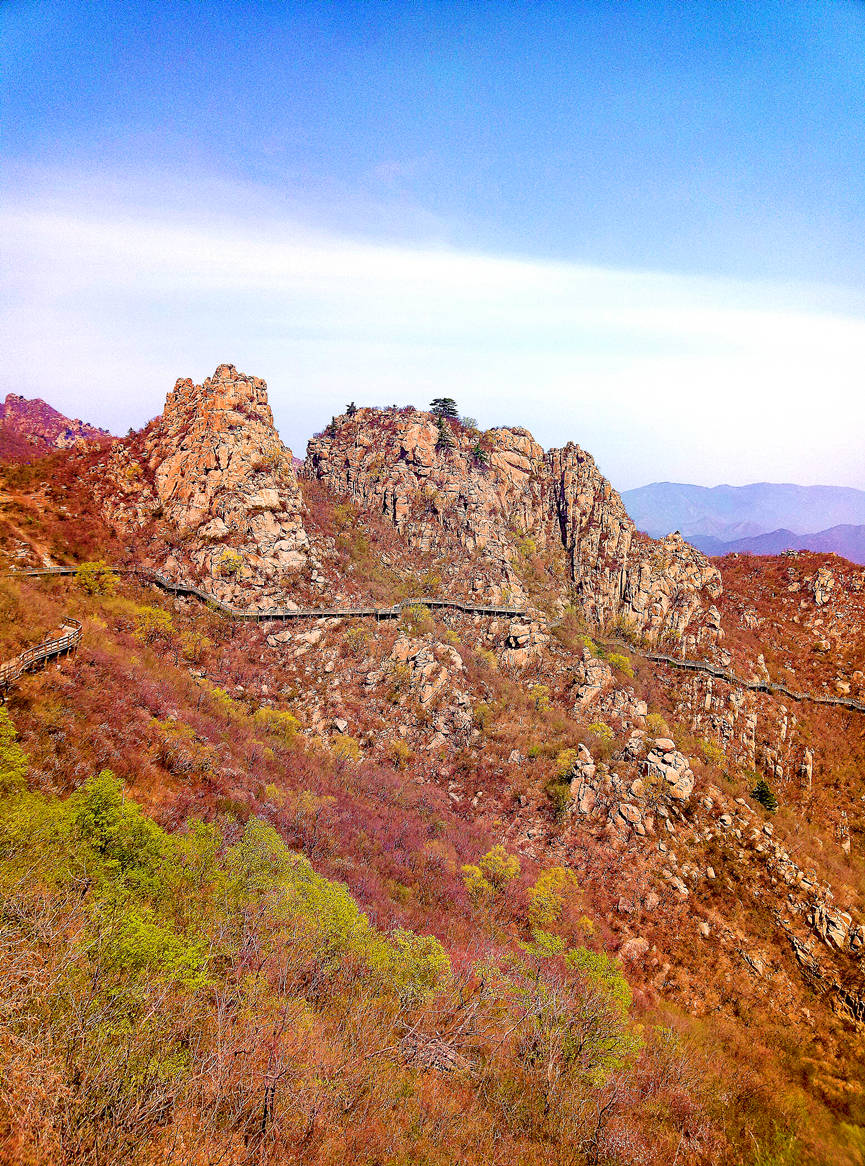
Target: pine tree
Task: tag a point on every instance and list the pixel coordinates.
(445, 439)
(351, 409)
(445, 407)
(762, 793)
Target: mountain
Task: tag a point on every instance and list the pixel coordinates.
(31, 428)
(734, 512)
(844, 539)
(408, 804)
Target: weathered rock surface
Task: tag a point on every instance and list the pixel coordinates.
(497, 494)
(213, 469)
(672, 767)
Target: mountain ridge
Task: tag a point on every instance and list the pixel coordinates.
(731, 512)
(545, 821)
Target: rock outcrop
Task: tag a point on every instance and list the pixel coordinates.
(212, 472)
(42, 428)
(499, 496)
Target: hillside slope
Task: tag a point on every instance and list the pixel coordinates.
(585, 939)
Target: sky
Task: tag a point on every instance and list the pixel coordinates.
(637, 226)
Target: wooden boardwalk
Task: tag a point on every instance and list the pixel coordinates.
(754, 685)
(41, 653)
(279, 615)
(10, 671)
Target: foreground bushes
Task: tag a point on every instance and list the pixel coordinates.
(207, 996)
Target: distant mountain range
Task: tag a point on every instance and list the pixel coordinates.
(844, 539)
(762, 519)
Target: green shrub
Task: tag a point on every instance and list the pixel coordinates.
(657, 726)
(152, 624)
(762, 793)
(97, 578)
(417, 620)
(278, 723)
(540, 694)
(559, 793)
(712, 753)
(13, 759)
(491, 874)
(621, 664)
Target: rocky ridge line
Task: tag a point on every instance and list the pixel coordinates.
(496, 493)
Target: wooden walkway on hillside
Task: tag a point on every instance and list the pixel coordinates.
(41, 653)
(754, 685)
(278, 615)
(49, 648)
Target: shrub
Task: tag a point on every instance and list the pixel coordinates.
(565, 762)
(622, 664)
(13, 759)
(763, 793)
(491, 875)
(97, 578)
(429, 583)
(356, 640)
(481, 715)
(601, 730)
(278, 723)
(559, 793)
(547, 896)
(540, 694)
(400, 753)
(152, 624)
(657, 726)
(712, 752)
(194, 644)
(230, 562)
(417, 620)
(346, 750)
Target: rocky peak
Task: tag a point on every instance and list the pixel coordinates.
(437, 483)
(43, 427)
(213, 468)
(492, 491)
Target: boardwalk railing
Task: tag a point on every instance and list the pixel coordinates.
(10, 671)
(47, 650)
(268, 615)
(754, 685)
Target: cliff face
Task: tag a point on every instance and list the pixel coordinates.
(42, 428)
(213, 473)
(491, 492)
(393, 462)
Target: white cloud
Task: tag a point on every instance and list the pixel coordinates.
(660, 376)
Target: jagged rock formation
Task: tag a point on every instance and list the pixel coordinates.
(213, 470)
(393, 461)
(35, 424)
(495, 492)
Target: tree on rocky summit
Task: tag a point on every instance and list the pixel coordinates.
(351, 409)
(444, 407)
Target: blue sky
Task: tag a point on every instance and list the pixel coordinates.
(640, 226)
